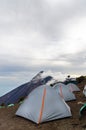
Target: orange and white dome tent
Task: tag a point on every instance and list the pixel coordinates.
(64, 92)
(42, 105)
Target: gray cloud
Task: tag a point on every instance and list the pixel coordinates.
(75, 59)
(32, 37)
(38, 16)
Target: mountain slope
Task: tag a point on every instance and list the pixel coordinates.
(23, 90)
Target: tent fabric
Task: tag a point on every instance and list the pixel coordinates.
(59, 84)
(64, 92)
(73, 87)
(70, 80)
(43, 104)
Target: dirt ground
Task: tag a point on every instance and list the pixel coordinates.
(9, 121)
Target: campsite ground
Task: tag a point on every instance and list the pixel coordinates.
(9, 121)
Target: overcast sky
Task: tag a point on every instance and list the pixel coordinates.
(37, 35)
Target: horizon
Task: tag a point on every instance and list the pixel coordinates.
(57, 76)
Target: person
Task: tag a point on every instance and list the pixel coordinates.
(84, 91)
(82, 110)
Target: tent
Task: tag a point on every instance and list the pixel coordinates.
(73, 87)
(70, 80)
(59, 84)
(42, 105)
(64, 92)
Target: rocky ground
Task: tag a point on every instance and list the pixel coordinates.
(9, 121)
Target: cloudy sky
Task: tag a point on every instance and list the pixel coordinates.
(40, 35)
